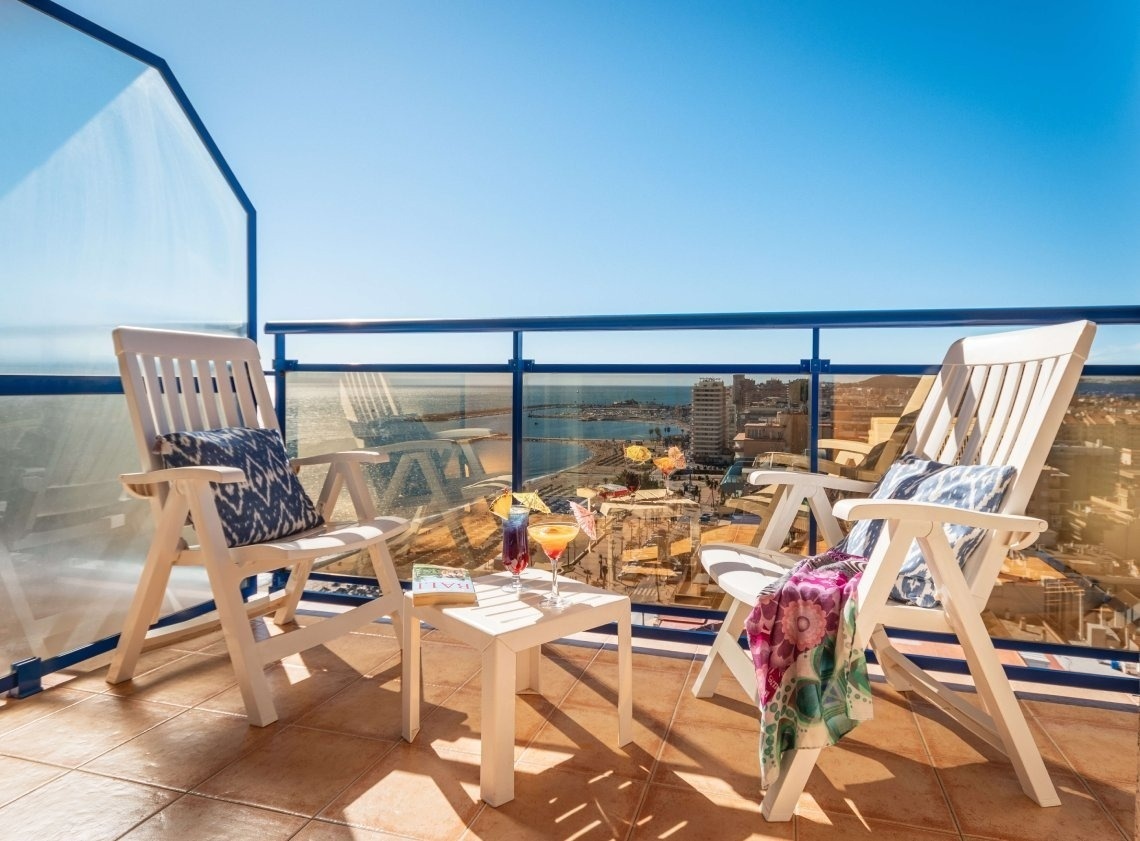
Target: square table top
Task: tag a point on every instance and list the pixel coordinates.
(520, 619)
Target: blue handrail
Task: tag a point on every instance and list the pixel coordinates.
(830, 319)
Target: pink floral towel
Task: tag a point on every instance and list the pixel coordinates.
(810, 694)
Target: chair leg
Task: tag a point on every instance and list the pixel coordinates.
(785, 508)
(385, 571)
(150, 590)
(1008, 719)
(780, 800)
(386, 496)
(726, 651)
(298, 577)
(148, 598)
(896, 677)
(825, 520)
(379, 554)
(249, 669)
(225, 582)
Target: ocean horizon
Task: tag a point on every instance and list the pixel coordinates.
(317, 414)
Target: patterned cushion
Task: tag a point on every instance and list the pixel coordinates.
(899, 482)
(979, 488)
(271, 502)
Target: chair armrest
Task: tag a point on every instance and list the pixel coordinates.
(141, 485)
(856, 450)
(795, 462)
(844, 445)
(442, 446)
(936, 515)
(815, 480)
(502, 482)
(466, 433)
(767, 558)
(372, 456)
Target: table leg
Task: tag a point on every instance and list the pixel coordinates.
(497, 748)
(625, 679)
(410, 672)
(526, 670)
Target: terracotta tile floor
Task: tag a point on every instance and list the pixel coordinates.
(170, 756)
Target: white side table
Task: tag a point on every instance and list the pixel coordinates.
(508, 631)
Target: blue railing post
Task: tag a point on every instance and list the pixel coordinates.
(518, 364)
(814, 367)
(29, 677)
(813, 418)
(280, 365)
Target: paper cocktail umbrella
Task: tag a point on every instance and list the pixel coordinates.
(586, 521)
(501, 507)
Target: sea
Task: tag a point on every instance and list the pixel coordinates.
(319, 410)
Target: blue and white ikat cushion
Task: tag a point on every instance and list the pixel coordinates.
(978, 488)
(269, 504)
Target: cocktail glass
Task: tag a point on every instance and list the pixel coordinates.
(553, 536)
(516, 549)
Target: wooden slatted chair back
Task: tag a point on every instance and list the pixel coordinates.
(999, 400)
(188, 382)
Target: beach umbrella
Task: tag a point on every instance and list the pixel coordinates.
(673, 460)
(638, 453)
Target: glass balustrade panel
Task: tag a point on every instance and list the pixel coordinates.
(448, 442)
(112, 210)
(72, 542)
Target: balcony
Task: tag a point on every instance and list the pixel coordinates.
(170, 755)
(171, 749)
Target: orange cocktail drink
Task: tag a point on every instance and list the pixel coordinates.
(553, 536)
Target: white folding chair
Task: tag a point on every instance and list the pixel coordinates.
(178, 382)
(998, 400)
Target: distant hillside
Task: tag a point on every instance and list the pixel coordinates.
(883, 381)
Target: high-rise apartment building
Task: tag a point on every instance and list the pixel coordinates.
(713, 422)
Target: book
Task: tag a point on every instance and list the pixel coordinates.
(433, 584)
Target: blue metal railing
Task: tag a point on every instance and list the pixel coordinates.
(518, 367)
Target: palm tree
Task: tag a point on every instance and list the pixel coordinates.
(630, 479)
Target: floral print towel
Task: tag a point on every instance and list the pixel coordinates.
(810, 694)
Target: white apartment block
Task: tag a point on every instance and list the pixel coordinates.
(713, 420)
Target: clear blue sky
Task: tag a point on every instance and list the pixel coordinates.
(452, 159)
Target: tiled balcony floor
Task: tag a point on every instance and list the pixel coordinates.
(170, 756)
